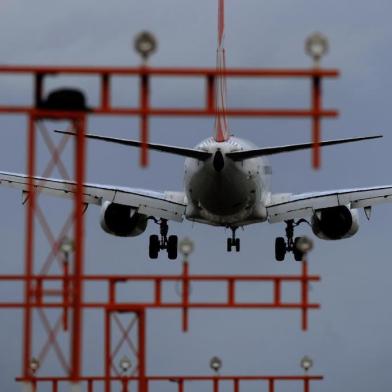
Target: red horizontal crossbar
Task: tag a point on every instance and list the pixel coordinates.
(180, 378)
(184, 302)
(174, 71)
(169, 112)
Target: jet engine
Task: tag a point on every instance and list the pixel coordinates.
(335, 223)
(121, 220)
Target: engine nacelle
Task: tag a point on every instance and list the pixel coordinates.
(122, 221)
(335, 223)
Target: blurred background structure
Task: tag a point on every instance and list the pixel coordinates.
(261, 343)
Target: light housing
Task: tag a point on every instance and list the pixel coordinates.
(304, 244)
(125, 364)
(34, 364)
(306, 363)
(145, 44)
(316, 46)
(67, 245)
(186, 246)
(215, 364)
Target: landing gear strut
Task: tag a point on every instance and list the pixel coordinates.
(298, 245)
(233, 241)
(157, 243)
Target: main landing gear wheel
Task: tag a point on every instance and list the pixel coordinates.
(158, 243)
(154, 246)
(280, 249)
(298, 246)
(233, 241)
(172, 246)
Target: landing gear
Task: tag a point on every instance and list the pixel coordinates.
(233, 241)
(299, 246)
(157, 243)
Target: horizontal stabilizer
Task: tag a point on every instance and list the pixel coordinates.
(185, 152)
(248, 154)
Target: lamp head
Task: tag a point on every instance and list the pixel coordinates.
(316, 46)
(306, 363)
(186, 246)
(145, 44)
(125, 364)
(215, 364)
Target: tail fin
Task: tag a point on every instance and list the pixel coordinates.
(221, 125)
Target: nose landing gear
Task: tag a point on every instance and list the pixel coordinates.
(157, 243)
(233, 241)
(299, 246)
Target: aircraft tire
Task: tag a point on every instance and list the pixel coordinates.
(237, 244)
(229, 244)
(153, 249)
(280, 249)
(172, 247)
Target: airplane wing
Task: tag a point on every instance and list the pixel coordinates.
(166, 205)
(289, 206)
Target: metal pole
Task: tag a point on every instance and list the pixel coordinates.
(144, 103)
(316, 121)
(77, 324)
(304, 295)
(142, 351)
(29, 249)
(108, 350)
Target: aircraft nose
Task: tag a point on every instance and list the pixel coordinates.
(218, 161)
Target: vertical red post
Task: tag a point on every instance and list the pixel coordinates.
(210, 96)
(216, 384)
(144, 106)
(142, 351)
(271, 385)
(277, 291)
(108, 350)
(38, 89)
(306, 385)
(185, 297)
(236, 383)
(304, 295)
(65, 293)
(77, 324)
(316, 121)
(29, 249)
(105, 91)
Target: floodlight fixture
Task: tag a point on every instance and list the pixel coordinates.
(34, 365)
(304, 245)
(306, 363)
(186, 246)
(316, 46)
(215, 364)
(145, 44)
(67, 246)
(125, 364)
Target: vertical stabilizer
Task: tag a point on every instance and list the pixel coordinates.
(221, 125)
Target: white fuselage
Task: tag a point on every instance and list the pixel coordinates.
(223, 192)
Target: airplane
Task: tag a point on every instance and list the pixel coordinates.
(226, 184)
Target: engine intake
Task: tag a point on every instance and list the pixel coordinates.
(335, 223)
(122, 221)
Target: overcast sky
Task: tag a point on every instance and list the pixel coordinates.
(349, 338)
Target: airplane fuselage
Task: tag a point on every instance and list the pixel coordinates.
(224, 192)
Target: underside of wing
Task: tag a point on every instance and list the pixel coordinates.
(166, 205)
(281, 208)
